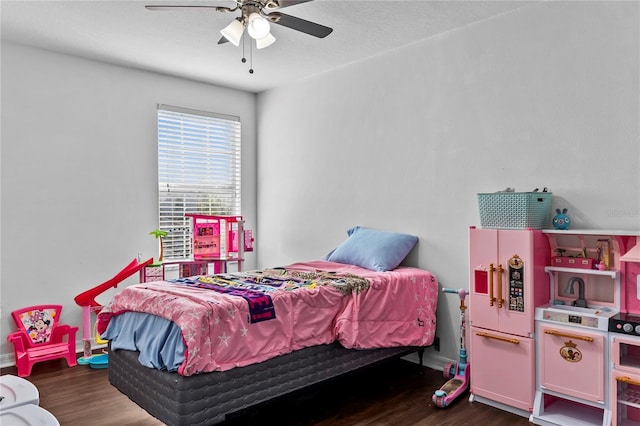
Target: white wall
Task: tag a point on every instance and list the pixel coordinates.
(79, 172)
(545, 96)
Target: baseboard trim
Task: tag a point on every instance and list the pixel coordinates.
(430, 360)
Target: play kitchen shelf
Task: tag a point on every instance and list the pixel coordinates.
(590, 246)
(587, 280)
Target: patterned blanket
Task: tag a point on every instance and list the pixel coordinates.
(254, 286)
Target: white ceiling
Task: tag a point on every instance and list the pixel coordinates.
(184, 42)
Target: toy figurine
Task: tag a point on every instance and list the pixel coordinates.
(561, 220)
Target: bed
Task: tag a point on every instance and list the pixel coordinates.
(192, 351)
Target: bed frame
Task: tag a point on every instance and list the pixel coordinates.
(206, 399)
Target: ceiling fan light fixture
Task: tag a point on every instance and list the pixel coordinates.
(265, 41)
(233, 32)
(258, 27)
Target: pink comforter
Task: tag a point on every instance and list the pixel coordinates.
(398, 309)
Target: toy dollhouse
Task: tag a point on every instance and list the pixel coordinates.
(220, 239)
(216, 241)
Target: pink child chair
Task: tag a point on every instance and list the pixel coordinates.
(40, 337)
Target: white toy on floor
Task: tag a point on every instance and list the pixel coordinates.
(19, 400)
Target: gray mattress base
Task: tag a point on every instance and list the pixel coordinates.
(206, 399)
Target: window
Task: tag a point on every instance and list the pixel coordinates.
(198, 171)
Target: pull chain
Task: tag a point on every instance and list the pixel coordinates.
(244, 59)
(250, 57)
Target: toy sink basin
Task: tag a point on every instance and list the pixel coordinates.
(594, 317)
(603, 311)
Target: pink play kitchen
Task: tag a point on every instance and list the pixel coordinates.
(555, 321)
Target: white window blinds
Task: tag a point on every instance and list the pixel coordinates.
(198, 171)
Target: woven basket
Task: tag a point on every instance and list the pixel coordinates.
(514, 210)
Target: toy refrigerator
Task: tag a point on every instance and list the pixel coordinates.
(507, 282)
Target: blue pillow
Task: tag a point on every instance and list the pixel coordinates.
(373, 249)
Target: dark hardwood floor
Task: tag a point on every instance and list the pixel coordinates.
(394, 393)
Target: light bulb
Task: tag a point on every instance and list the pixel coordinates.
(257, 26)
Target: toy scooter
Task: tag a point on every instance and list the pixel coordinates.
(457, 373)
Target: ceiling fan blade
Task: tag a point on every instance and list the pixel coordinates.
(223, 40)
(185, 7)
(279, 4)
(299, 24)
(287, 3)
(164, 7)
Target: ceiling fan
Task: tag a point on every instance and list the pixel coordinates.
(256, 17)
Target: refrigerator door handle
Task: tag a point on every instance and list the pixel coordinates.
(500, 299)
(503, 339)
(491, 271)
